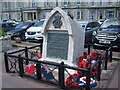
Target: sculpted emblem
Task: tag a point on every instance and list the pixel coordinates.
(57, 23)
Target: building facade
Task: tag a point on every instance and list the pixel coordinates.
(79, 9)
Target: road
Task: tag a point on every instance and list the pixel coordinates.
(109, 79)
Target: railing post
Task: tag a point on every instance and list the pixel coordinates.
(41, 48)
(88, 79)
(61, 75)
(26, 55)
(38, 68)
(6, 62)
(106, 59)
(99, 68)
(111, 53)
(88, 47)
(20, 64)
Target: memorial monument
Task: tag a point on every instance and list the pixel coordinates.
(63, 38)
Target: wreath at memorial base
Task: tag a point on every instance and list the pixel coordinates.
(85, 61)
(72, 81)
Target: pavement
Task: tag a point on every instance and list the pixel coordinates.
(14, 81)
(109, 78)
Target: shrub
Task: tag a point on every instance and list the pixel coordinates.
(2, 33)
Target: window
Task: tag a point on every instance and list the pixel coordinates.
(89, 26)
(78, 2)
(109, 2)
(92, 15)
(29, 4)
(95, 24)
(66, 2)
(100, 2)
(110, 14)
(40, 23)
(18, 4)
(6, 4)
(46, 3)
(33, 3)
(93, 3)
(100, 14)
(78, 15)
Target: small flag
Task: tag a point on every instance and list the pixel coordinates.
(47, 73)
(30, 69)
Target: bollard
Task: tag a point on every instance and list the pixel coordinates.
(61, 75)
(106, 59)
(20, 64)
(38, 67)
(99, 69)
(26, 55)
(6, 62)
(111, 53)
(88, 79)
(88, 47)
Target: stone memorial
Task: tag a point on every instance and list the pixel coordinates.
(63, 38)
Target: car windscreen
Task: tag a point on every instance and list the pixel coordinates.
(38, 24)
(12, 24)
(23, 25)
(4, 25)
(111, 23)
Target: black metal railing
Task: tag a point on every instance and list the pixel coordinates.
(57, 69)
(106, 54)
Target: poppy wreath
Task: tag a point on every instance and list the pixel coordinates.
(72, 81)
(85, 61)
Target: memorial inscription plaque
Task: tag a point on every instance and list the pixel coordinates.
(57, 45)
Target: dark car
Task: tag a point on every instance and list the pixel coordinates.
(9, 20)
(89, 27)
(108, 33)
(7, 26)
(20, 30)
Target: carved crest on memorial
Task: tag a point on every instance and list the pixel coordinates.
(57, 23)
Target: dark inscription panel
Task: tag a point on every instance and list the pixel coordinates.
(57, 45)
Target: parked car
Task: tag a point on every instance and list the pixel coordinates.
(7, 26)
(34, 33)
(20, 30)
(101, 21)
(108, 33)
(89, 27)
(9, 20)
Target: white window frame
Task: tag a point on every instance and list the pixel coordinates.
(78, 15)
(100, 12)
(109, 2)
(92, 15)
(46, 3)
(66, 2)
(93, 3)
(101, 2)
(78, 2)
(110, 12)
